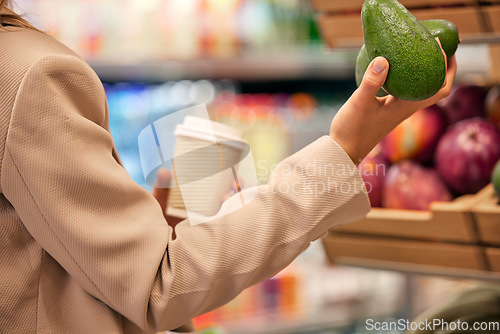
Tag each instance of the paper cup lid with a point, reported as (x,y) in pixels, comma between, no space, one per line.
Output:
(200,128)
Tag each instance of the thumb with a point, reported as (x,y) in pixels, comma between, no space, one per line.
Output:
(374,78)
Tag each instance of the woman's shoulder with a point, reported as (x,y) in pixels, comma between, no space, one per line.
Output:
(21,50)
(23,47)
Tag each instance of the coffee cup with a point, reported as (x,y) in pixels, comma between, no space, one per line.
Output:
(206,155)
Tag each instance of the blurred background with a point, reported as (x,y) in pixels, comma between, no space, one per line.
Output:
(261,66)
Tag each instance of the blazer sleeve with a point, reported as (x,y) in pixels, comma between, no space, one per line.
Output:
(109,233)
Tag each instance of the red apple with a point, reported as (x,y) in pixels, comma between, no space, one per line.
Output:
(465,102)
(467,153)
(416,138)
(410,186)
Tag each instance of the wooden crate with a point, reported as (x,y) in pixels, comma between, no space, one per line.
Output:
(450,235)
(446,221)
(343,246)
(487,217)
(351,5)
(345,30)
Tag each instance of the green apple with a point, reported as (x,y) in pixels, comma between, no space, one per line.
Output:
(496,179)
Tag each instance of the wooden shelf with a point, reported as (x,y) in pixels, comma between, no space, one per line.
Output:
(404,251)
(446,221)
(460,235)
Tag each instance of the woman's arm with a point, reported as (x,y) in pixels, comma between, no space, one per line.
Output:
(110,235)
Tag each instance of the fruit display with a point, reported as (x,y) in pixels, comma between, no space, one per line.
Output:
(417,63)
(417,137)
(413,187)
(465,101)
(442,151)
(429,153)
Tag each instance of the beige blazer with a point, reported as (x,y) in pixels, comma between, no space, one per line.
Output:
(84,249)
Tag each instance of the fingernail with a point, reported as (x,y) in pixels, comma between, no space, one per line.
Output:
(379,65)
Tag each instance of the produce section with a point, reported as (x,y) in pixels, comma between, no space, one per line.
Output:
(445,151)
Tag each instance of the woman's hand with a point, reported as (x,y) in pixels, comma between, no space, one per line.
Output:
(365,119)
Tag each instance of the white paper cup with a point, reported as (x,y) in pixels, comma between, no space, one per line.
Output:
(204,158)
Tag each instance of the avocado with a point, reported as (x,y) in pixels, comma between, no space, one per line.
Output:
(416,63)
(447,32)
(362,64)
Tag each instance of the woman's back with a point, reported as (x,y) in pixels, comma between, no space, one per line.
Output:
(38,295)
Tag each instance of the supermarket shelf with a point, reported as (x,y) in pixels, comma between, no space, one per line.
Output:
(493,38)
(248,67)
(419,269)
(472,56)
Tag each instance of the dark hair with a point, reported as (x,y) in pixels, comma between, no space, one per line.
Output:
(8,17)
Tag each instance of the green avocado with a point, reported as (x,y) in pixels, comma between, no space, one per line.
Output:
(416,63)
(447,32)
(361,65)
